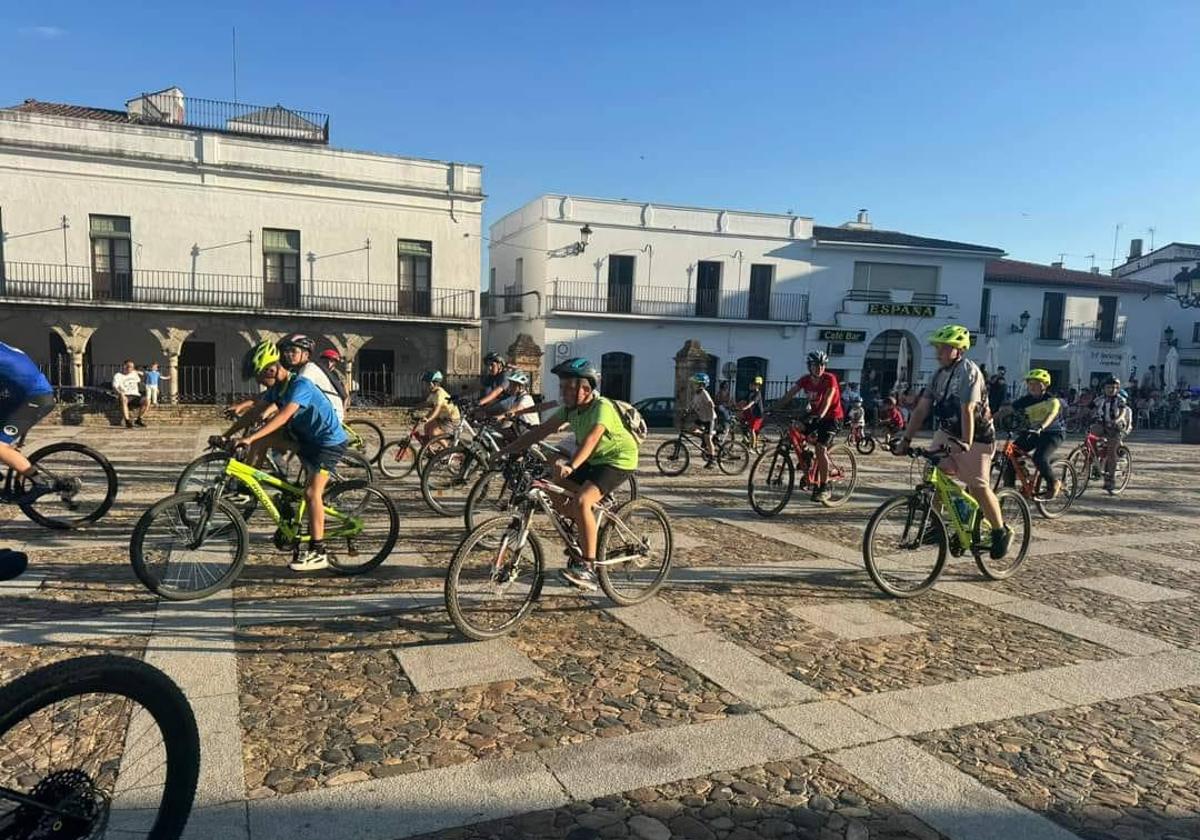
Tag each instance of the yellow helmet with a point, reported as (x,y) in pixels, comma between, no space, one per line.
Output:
(260,357)
(758,380)
(1039,374)
(952,335)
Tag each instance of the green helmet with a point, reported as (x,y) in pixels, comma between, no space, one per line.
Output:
(1039,375)
(260,357)
(952,335)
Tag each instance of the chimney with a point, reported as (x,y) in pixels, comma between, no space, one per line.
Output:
(861,222)
(1096,268)
(1135,248)
(1056,264)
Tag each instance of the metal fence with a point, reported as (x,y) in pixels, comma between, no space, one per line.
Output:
(676,302)
(390,387)
(265,121)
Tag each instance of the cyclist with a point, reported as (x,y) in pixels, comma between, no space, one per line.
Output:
(825,414)
(491,384)
(754,409)
(330,359)
(308,416)
(515,410)
(891,418)
(443,413)
(957,396)
(1042,414)
(296,352)
(857,417)
(606,455)
(1112,418)
(704,408)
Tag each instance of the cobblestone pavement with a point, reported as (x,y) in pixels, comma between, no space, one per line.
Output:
(769,691)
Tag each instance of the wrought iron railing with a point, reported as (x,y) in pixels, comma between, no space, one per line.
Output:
(1097,332)
(78,283)
(676,302)
(1047,329)
(268,121)
(383,387)
(987,326)
(512,298)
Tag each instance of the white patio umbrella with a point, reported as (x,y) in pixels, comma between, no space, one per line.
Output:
(993,349)
(1023,362)
(1171,369)
(902,362)
(1126,372)
(1075,374)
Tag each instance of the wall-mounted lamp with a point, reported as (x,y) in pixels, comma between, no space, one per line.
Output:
(1169,336)
(1187,287)
(585,236)
(1024,322)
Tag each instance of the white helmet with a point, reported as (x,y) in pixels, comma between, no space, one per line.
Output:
(520,377)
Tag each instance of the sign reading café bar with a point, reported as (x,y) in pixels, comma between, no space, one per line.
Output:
(846,336)
(911,310)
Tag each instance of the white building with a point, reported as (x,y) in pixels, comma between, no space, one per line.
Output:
(1160,267)
(180,230)
(758,290)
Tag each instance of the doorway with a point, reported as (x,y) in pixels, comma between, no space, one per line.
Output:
(197,372)
(708,289)
(891,358)
(374,368)
(616,375)
(620,283)
(748,367)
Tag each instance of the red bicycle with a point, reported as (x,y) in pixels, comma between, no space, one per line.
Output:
(398,457)
(1089,458)
(773,476)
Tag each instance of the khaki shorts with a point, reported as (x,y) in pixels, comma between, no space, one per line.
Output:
(973,467)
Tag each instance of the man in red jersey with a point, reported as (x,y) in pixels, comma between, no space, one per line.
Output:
(824,414)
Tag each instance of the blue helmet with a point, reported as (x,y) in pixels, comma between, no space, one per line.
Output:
(577,368)
(432,376)
(701,379)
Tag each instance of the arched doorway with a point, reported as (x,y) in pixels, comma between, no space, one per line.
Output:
(616,375)
(891,358)
(748,367)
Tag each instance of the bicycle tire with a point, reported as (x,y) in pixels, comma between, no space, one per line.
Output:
(371,435)
(1060,504)
(733,457)
(865,446)
(137,552)
(435,445)
(149,688)
(451,588)
(458,477)
(608,574)
(917,507)
(678,454)
(1010,501)
(72,523)
(338,560)
(838,455)
(787,479)
(398,458)
(485,501)
(197,466)
(1123,454)
(1082,463)
(352,465)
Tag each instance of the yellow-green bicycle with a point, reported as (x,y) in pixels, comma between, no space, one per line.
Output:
(908,537)
(192,544)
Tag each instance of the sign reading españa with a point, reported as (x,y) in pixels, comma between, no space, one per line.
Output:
(911,310)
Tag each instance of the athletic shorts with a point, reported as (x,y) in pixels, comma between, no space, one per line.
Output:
(17,417)
(824,429)
(133,400)
(605,477)
(322,457)
(705,427)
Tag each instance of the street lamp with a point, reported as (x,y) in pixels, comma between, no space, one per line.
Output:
(585,236)
(1187,287)
(1169,336)
(1024,319)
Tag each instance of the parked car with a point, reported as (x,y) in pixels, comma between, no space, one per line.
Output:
(657,411)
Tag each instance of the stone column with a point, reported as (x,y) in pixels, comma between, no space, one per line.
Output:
(691,359)
(76,338)
(463,355)
(525,354)
(171,340)
(348,344)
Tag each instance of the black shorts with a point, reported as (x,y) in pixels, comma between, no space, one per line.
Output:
(321,458)
(133,400)
(605,477)
(18,416)
(824,429)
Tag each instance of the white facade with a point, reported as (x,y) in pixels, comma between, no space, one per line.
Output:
(1160,267)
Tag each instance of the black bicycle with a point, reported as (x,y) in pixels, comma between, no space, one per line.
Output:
(97,746)
(672,457)
(75,487)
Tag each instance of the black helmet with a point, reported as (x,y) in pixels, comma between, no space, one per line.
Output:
(1111,380)
(816,357)
(493,357)
(577,368)
(298,340)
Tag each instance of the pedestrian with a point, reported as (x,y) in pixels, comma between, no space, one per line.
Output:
(152,377)
(127,382)
(997,388)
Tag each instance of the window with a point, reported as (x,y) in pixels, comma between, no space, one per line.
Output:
(281,268)
(620,282)
(414,266)
(519,272)
(492,280)
(873,279)
(1196,333)
(985,313)
(512,299)
(1106,325)
(1052,316)
(112,261)
(708,290)
(759,304)
(616,375)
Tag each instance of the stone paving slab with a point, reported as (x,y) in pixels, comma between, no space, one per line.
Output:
(604,766)
(280,610)
(1124,641)
(829,725)
(944,797)
(655,620)
(23,585)
(137,623)
(853,621)
(1130,589)
(1093,682)
(439,667)
(975,593)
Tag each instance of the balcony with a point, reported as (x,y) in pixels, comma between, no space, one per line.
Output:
(79,285)
(1097,332)
(676,302)
(274,122)
(987,326)
(1051,331)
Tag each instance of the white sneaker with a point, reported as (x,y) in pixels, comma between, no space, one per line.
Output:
(312,561)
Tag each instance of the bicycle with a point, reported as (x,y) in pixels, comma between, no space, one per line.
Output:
(460,432)
(773,476)
(672,457)
(1013,463)
(1089,458)
(447,479)
(366,438)
(631,566)
(193,544)
(77,755)
(82,486)
(904,525)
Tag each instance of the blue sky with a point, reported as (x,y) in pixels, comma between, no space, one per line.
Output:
(1032,126)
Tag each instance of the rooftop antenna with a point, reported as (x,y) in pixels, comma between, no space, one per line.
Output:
(1151,232)
(1116,233)
(1091,257)
(235,99)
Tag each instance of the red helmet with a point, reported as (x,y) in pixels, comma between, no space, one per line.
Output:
(331,354)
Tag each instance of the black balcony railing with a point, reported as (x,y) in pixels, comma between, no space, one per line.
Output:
(1048,329)
(885,296)
(512,298)
(676,302)
(273,122)
(987,326)
(76,283)
(1097,332)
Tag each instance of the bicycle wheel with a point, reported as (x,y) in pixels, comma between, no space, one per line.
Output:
(437,443)
(1056,507)
(733,458)
(491,584)
(352,466)
(919,470)
(672,457)
(361,544)
(905,546)
(633,552)
(490,496)
(180,550)
(204,473)
(448,478)
(1015,511)
(1084,468)
(843,475)
(397,458)
(865,446)
(370,438)
(772,479)
(90,486)
(1124,470)
(96,746)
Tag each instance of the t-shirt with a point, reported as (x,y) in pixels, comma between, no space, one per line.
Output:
(755,399)
(518,403)
(818,388)
(439,397)
(617,447)
(126,383)
(489,383)
(1041,409)
(857,417)
(336,381)
(152,378)
(702,406)
(19,376)
(953,387)
(1108,410)
(315,424)
(313,373)
(894,417)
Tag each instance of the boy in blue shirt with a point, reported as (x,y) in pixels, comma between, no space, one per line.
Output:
(152,378)
(320,439)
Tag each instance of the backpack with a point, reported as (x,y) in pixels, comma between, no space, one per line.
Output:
(632,419)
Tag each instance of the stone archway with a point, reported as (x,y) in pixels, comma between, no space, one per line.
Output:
(892,357)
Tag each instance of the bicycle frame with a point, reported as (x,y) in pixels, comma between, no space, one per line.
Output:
(1015,456)
(948,491)
(253,479)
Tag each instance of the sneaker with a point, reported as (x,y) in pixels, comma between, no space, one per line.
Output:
(128,424)
(710,464)
(578,574)
(140,422)
(67,486)
(821,494)
(1001,540)
(1109,484)
(312,561)
(34,490)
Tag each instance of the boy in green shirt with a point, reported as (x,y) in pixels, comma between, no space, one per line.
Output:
(607,453)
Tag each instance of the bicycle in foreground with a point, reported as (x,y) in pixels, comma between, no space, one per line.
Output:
(773,476)
(908,537)
(80,486)
(193,544)
(1013,462)
(1089,457)
(497,572)
(672,457)
(448,476)
(96,746)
